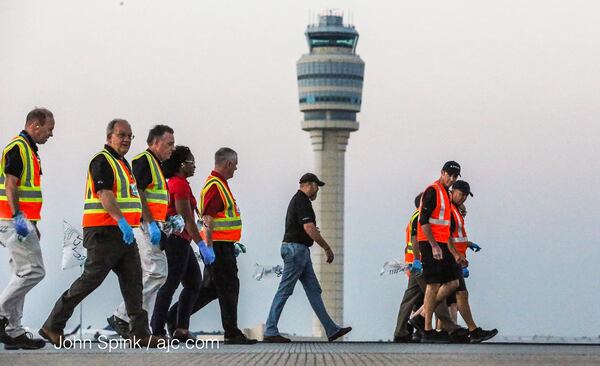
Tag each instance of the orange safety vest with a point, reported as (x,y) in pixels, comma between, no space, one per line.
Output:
(227,225)
(460,233)
(157,196)
(409,257)
(439,221)
(126,195)
(29,186)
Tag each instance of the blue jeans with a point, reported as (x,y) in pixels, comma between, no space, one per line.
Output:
(297,265)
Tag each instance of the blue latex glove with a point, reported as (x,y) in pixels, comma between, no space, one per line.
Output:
(126,230)
(465,272)
(208,254)
(416,267)
(154,232)
(474,247)
(239,248)
(20,222)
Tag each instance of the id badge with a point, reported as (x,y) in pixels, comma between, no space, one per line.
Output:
(134,190)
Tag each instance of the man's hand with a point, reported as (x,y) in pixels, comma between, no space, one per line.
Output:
(329,254)
(20,222)
(154,232)
(462,260)
(128,237)
(436,251)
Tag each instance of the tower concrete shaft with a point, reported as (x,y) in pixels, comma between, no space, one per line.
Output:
(329,148)
(330,81)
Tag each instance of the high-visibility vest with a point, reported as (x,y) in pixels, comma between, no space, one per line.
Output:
(29,186)
(157,196)
(227,224)
(409,257)
(439,221)
(460,233)
(126,195)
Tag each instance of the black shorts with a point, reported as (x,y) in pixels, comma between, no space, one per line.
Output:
(437,271)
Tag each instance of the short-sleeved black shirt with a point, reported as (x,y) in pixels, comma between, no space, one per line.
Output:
(14,163)
(300,212)
(142,172)
(102,174)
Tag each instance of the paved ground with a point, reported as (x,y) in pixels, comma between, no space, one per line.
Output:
(317,354)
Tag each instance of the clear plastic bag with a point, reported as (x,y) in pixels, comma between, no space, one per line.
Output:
(174,225)
(261,272)
(393,268)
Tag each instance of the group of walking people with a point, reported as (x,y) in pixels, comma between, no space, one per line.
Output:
(124,213)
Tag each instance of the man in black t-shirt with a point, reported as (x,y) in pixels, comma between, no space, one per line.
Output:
(300,233)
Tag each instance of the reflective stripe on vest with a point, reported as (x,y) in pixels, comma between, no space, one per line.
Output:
(127,200)
(227,225)
(29,186)
(157,196)
(409,256)
(460,233)
(439,221)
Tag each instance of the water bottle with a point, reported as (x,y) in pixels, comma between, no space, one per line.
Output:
(261,272)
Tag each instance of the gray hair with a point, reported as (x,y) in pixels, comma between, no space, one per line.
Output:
(223,155)
(111,125)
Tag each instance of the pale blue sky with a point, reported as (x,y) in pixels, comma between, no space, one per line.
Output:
(509,89)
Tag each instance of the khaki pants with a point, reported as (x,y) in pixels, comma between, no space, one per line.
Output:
(154,273)
(27,270)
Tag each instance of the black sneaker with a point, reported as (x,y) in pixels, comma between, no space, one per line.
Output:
(240,339)
(418,322)
(404,339)
(416,337)
(119,325)
(460,335)
(25,341)
(4,337)
(276,339)
(479,335)
(433,336)
(340,333)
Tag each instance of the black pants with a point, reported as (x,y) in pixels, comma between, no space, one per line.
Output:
(184,269)
(106,251)
(220,282)
(413,296)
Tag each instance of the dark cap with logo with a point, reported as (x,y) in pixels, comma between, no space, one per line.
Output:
(311,178)
(452,167)
(462,186)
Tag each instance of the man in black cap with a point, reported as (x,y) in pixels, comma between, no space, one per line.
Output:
(460,242)
(300,233)
(433,234)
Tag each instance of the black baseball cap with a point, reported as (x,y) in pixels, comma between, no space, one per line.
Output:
(452,167)
(462,186)
(311,178)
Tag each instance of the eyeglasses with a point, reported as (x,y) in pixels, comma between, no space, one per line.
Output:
(123,136)
(189,162)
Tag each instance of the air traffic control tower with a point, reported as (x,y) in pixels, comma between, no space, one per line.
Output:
(330,81)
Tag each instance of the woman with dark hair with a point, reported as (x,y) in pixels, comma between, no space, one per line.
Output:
(182,263)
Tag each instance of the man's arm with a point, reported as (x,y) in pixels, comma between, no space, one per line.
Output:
(315,235)
(109,202)
(459,258)
(146,214)
(208,229)
(415,247)
(435,248)
(12,193)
